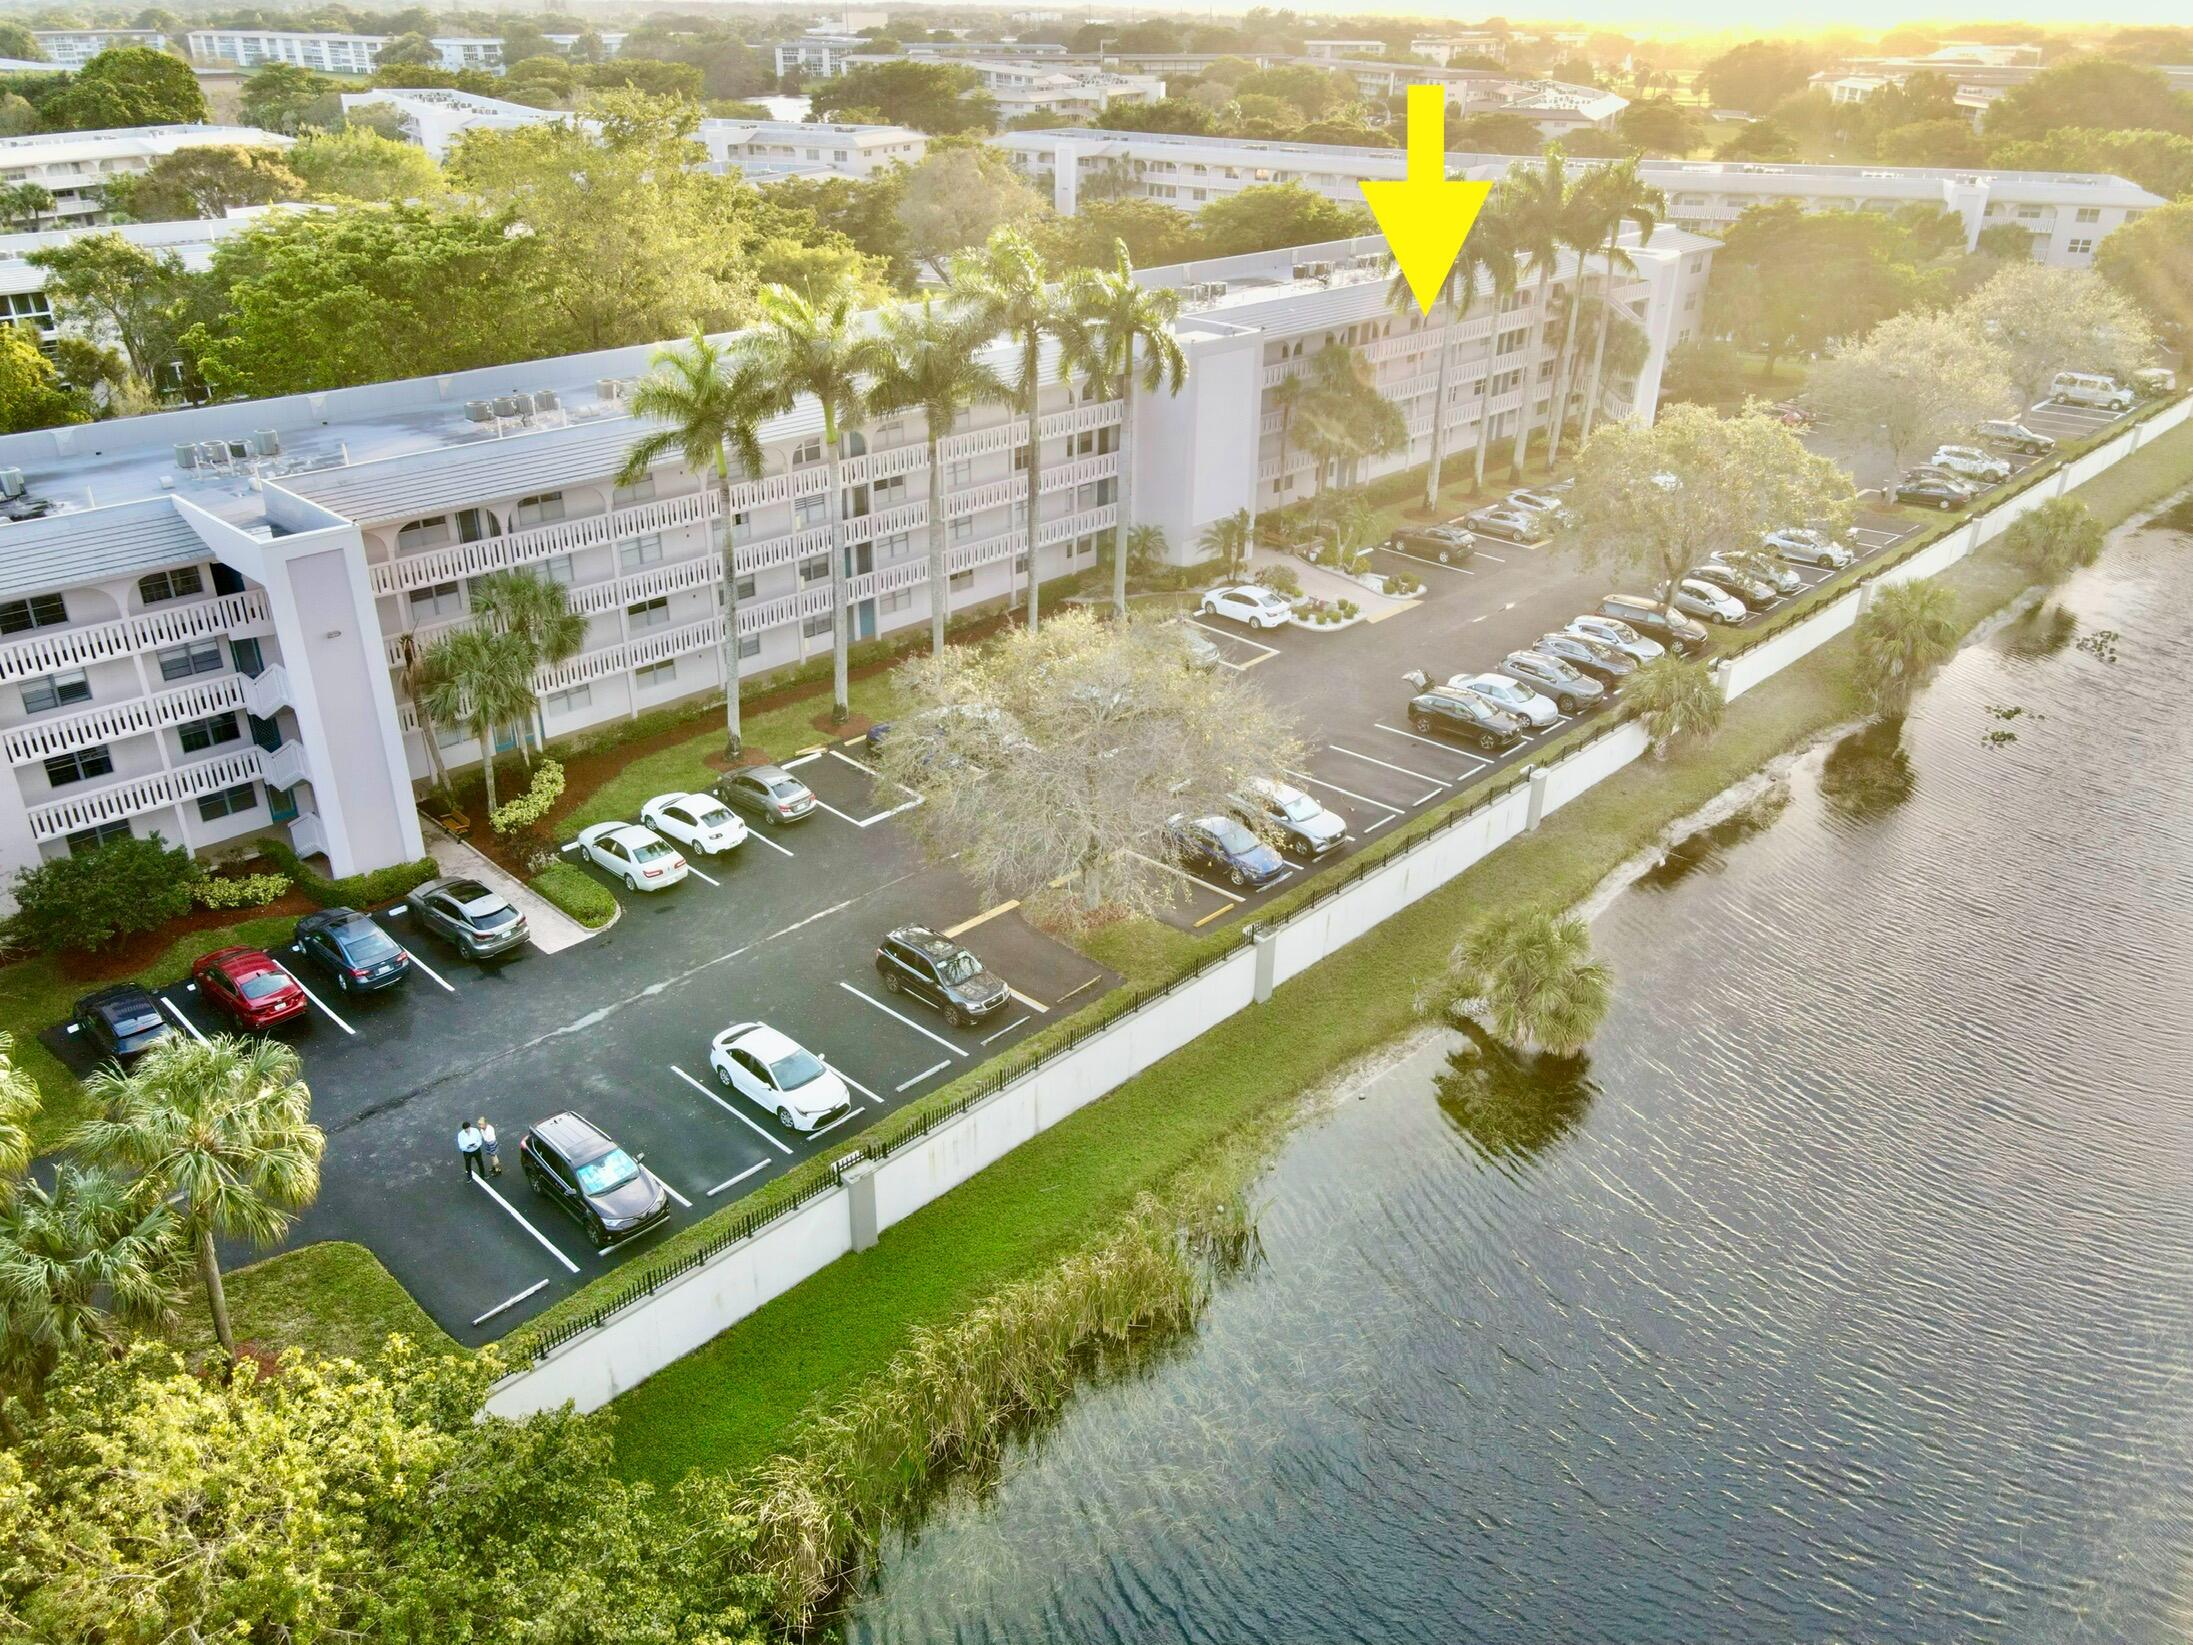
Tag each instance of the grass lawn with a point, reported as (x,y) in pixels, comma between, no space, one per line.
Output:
(334,1298)
(34,994)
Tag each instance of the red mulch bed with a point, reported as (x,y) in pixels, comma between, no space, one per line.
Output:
(128,954)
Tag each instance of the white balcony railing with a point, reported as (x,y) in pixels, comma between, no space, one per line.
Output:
(64,648)
(285,767)
(132,798)
(529,547)
(308,835)
(266,693)
(42,739)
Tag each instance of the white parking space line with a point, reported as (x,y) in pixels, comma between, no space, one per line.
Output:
(759,838)
(1182,873)
(518,1217)
(912,799)
(1392,811)
(1037,1006)
(924,1074)
(672,1192)
(854,1083)
(780,1147)
(802,759)
(1002,1032)
(1436,565)
(732,1182)
(1496,559)
(698,875)
(1229,634)
(1420,776)
(902,1017)
(508,1303)
(189,1027)
(316,1000)
(429,970)
(1431,742)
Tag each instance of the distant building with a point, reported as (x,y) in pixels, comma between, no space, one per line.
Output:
(321,53)
(1330,50)
(73,48)
(816,55)
(460,52)
(433,116)
(74,166)
(764,149)
(1065,92)
(1447,48)
(612,40)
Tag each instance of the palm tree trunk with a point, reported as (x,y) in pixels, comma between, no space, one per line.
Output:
(487,762)
(732,741)
(840,617)
(1562,368)
(1484,424)
(1530,374)
(940,577)
(1031,362)
(1120,491)
(209,1270)
(419,713)
(1599,349)
(1439,402)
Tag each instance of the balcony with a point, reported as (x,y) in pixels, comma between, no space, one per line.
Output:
(43,739)
(119,801)
(64,648)
(516,548)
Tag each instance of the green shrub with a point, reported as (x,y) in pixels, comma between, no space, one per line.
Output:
(240,891)
(356,890)
(577,893)
(1281,580)
(531,806)
(87,900)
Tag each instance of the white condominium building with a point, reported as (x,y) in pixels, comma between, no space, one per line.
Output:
(321,53)
(205,615)
(1068,93)
(766,149)
(73,48)
(2067,213)
(481,52)
(433,116)
(74,166)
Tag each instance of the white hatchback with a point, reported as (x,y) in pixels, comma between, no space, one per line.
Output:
(778,1075)
(699,822)
(1511,694)
(640,857)
(1249,603)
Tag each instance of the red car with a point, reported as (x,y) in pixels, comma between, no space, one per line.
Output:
(247,987)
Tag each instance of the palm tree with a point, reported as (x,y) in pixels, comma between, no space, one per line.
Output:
(711,399)
(222,1129)
(1580,233)
(81,1262)
(1145,545)
(1227,539)
(479,678)
(1619,195)
(2055,539)
(933,364)
(1532,974)
(414,682)
(1127,333)
(1490,253)
(1541,216)
(1905,630)
(18,1107)
(538,613)
(1005,291)
(1675,698)
(1487,239)
(1286,399)
(819,349)
(1343,414)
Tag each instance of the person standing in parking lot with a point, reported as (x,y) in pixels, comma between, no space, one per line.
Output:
(469,1144)
(487,1145)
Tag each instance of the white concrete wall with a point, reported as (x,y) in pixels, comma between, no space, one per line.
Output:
(592,1369)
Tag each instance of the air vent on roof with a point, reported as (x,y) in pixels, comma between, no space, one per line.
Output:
(186,455)
(544,399)
(479,411)
(266,443)
(610,388)
(513,405)
(11,483)
(1313,271)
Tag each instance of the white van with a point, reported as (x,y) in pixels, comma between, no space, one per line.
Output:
(2085,388)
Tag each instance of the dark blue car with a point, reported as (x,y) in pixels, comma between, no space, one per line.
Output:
(1224,847)
(349,947)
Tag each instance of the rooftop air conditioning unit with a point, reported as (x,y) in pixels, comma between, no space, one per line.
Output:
(544,399)
(609,388)
(11,482)
(506,405)
(266,443)
(479,411)
(186,456)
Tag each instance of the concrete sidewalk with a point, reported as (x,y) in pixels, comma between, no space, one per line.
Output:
(551,928)
(1324,583)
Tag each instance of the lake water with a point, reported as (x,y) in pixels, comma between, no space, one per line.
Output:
(1845,1293)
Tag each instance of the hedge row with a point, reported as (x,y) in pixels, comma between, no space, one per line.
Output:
(577,893)
(356,890)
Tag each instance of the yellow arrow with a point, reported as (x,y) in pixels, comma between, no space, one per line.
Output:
(1426,218)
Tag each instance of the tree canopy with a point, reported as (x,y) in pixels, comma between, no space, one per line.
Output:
(1275,214)
(358,163)
(205,182)
(938,98)
(2091,92)
(123,86)
(2151,261)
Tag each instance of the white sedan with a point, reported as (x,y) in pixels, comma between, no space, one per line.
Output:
(1512,695)
(1249,603)
(1801,545)
(640,857)
(699,822)
(1971,463)
(778,1075)
(1703,599)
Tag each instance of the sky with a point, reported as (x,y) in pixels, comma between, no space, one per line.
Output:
(1750,18)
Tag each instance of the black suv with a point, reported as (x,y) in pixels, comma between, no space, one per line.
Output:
(1448,544)
(121,1022)
(1604,663)
(1656,622)
(358,954)
(938,971)
(608,1193)
(1466,715)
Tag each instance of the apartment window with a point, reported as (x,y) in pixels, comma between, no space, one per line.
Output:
(197,736)
(2079,248)
(453,737)
(962,472)
(229,802)
(895,546)
(561,571)
(817,626)
(40,611)
(807,452)
(80,765)
(2090,214)
(814,569)
(91,839)
(746,588)
(649,613)
(170,585)
(897,600)
(432,532)
(889,493)
(810,512)
(42,696)
(640,551)
(540,509)
(749,645)
(1020,460)
(961,581)
(1511,342)
(655,674)
(641,490)
(436,603)
(182,661)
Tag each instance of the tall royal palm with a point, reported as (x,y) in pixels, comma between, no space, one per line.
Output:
(1490,251)
(481,678)
(1006,291)
(1486,253)
(933,364)
(537,611)
(1127,337)
(821,349)
(710,400)
(1620,195)
(1541,217)
(222,1130)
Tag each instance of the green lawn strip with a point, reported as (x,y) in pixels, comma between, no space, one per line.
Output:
(577,893)
(334,1298)
(34,995)
(2147,476)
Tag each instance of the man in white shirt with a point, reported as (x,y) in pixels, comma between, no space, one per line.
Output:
(469,1143)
